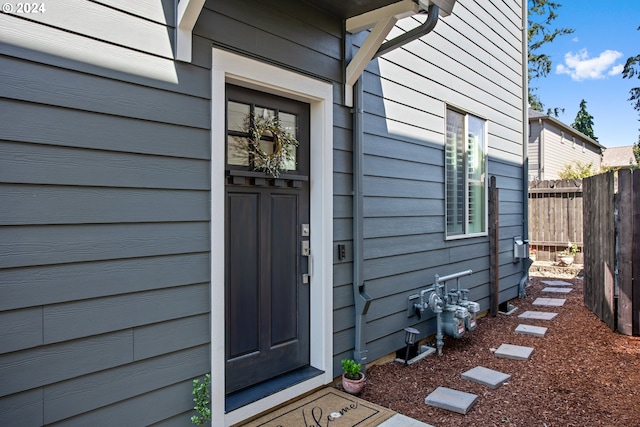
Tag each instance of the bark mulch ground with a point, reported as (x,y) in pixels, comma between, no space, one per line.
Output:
(581,373)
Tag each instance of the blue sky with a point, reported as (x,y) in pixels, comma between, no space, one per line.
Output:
(588,64)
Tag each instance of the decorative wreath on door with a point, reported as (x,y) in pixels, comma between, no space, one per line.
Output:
(284,144)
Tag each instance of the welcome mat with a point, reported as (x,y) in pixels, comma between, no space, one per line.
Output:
(327,407)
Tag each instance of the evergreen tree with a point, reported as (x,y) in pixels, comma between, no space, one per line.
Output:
(584,121)
(541,14)
(631,69)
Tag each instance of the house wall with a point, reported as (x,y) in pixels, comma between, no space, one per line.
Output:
(471,60)
(104,253)
(559,152)
(534,150)
(104,293)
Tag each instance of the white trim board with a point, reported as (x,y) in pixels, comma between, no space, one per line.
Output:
(229,67)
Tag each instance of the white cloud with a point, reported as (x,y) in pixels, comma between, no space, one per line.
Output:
(615,70)
(580,67)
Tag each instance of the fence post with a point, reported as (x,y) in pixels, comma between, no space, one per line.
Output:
(494,248)
(635,258)
(624,251)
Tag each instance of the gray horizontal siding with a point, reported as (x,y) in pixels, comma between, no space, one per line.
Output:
(40,204)
(32,368)
(271,43)
(49,125)
(109,25)
(21,329)
(36,164)
(105,250)
(27,81)
(90,392)
(22,246)
(34,286)
(471,60)
(85,318)
(26,407)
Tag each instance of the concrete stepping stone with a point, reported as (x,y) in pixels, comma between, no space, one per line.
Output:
(556,283)
(486,376)
(451,400)
(515,352)
(557,290)
(537,331)
(538,315)
(550,302)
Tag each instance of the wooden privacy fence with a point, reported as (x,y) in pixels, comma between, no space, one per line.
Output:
(612,249)
(555,217)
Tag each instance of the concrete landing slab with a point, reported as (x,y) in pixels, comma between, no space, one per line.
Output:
(399,420)
(451,400)
(538,315)
(537,331)
(550,302)
(515,352)
(486,376)
(557,290)
(556,283)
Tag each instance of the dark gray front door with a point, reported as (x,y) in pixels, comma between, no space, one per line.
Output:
(267,303)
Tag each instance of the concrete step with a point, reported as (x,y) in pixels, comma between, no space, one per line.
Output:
(451,400)
(557,283)
(537,331)
(557,290)
(514,352)
(538,315)
(486,376)
(550,302)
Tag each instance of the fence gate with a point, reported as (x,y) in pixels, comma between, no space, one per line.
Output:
(612,249)
(555,217)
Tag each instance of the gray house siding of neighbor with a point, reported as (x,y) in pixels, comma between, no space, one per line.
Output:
(131,233)
(553,145)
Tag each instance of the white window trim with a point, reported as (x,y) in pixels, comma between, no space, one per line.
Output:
(228,67)
(486,180)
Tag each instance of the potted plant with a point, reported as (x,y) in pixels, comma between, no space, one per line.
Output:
(567,256)
(352,377)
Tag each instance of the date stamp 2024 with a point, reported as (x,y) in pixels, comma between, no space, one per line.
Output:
(23,8)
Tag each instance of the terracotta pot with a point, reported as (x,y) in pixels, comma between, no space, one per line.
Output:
(565,260)
(353,386)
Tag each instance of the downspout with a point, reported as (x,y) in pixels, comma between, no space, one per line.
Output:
(526,261)
(361,299)
(360,296)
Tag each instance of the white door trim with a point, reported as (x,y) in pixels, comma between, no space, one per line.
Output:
(229,67)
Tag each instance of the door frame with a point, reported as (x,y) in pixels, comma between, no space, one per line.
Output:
(229,67)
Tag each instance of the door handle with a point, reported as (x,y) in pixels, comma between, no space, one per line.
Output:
(307,276)
(306,251)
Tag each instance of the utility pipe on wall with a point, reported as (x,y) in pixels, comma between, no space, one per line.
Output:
(526,261)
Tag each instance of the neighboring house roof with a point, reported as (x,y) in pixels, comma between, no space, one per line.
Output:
(619,157)
(536,115)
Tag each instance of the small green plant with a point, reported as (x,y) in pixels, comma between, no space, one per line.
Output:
(572,249)
(351,369)
(576,170)
(202,397)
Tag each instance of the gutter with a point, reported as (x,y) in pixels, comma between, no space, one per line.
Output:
(362,300)
(409,36)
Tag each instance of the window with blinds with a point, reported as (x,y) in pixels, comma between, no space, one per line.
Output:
(465,174)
